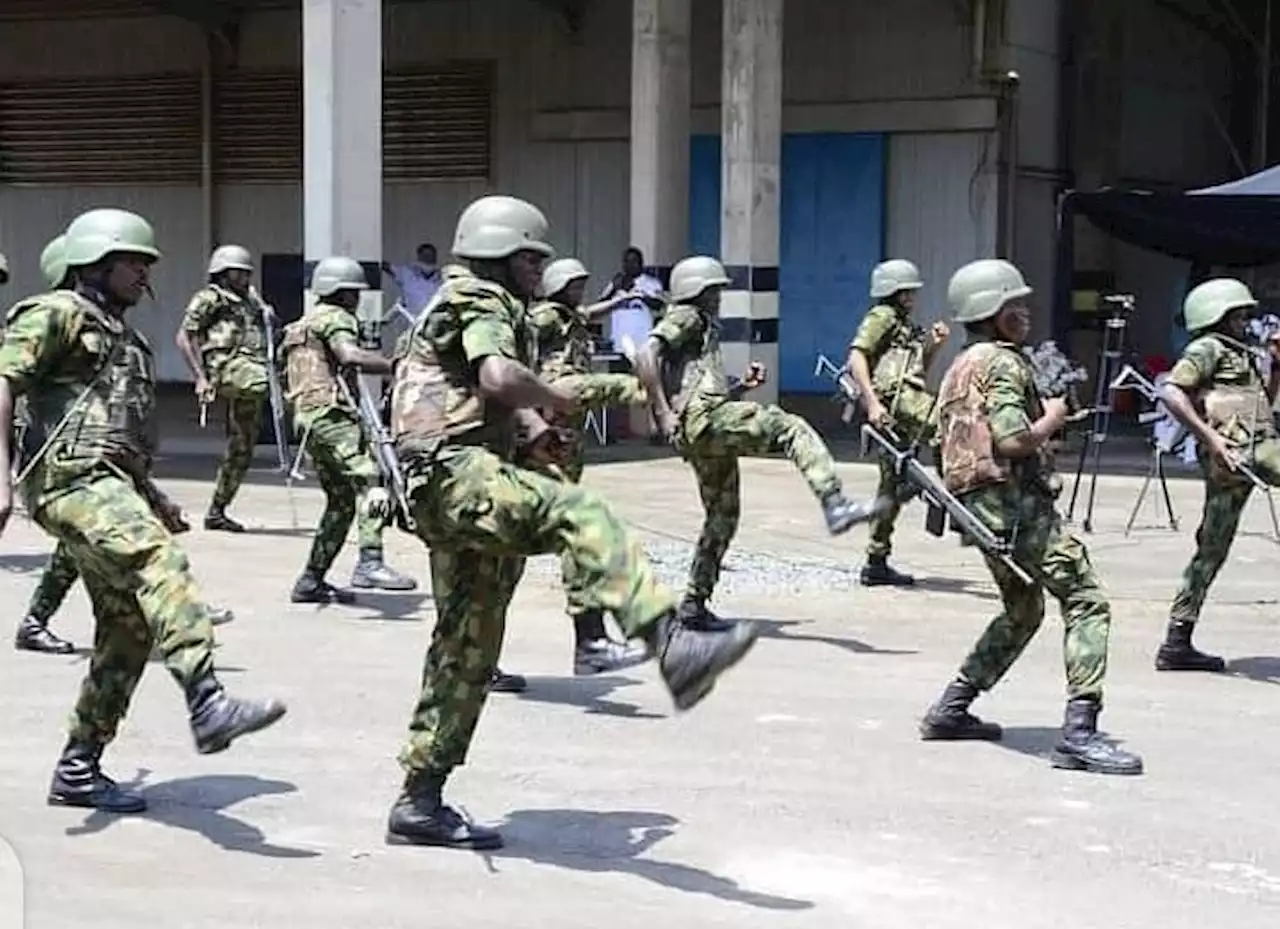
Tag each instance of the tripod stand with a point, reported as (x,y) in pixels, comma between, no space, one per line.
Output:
(1130,379)
(1111,354)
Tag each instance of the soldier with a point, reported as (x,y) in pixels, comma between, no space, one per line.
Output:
(564,357)
(61,573)
(316,348)
(994,432)
(889,358)
(224,343)
(698,411)
(89,380)
(1217,390)
(463,405)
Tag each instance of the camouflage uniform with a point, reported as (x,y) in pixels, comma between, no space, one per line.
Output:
(987,397)
(332,433)
(1223,378)
(481,516)
(564,358)
(89,381)
(229,332)
(714,430)
(897,354)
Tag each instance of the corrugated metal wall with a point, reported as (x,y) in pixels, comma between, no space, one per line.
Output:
(942,209)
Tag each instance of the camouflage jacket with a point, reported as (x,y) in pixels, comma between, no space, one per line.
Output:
(1225,381)
(224,325)
(310,361)
(563,340)
(896,349)
(693,373)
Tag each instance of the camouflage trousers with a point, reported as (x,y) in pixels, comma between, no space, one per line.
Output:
(912,423)
(712,448)
(347,473)
(593,390)
(481,517)
(142,591)
(60,575)
(1060,564)
(1225,496)
(242,382)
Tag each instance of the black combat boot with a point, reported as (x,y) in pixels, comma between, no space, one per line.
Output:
(877,573)
(373,573)
(311,588)
(694,615)
(949,720)
(1178,654)
(595,653)
(1082,749)
(217,720)
(78,781)
(691,661)
(842,515)
(420,817)
(34,636)
(500,682)
(217,520)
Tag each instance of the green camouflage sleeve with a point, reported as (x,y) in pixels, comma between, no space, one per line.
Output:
(543,319)
(486,325)
(679,325)
(336,327)
(873,331)
(1196,366)
(199,312)
(1006,393)
(34,332)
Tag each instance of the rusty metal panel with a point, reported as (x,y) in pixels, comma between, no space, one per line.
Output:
(437,123)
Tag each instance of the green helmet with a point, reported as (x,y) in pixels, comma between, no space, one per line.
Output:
(229,258)
(98,233)
(498,227)
(691,276)
(1212,300)
(337,273)
(889,277)
(561,273)
(980,289)
(53,262)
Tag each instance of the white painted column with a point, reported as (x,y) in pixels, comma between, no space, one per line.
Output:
(342,139)
(660,114)
(751,150)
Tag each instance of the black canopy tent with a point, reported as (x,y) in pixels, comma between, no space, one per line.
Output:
(1234,225)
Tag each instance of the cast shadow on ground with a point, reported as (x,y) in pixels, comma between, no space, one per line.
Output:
(24,563)
(954,585)
(199,804)
(1038,741)
(391,606)
(776,629)
(1264,669)
(588,693)
(613,843)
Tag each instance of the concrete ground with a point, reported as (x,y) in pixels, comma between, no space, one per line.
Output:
(797,795)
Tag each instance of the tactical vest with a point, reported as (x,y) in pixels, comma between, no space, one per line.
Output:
(311,373)
(696,368)
(435,397)
(568,351)
(901,364)
(1236,402)
(969,459)
(100,401)
(237,324)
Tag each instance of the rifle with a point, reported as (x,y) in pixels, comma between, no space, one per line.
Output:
(276,395)
(847,392)
(383,446)
(941,501)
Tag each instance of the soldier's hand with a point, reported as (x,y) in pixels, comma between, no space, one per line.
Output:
(205,392)
(6,501)
(877,415)
(667,424)
(940,332)
(1056,410)
(563,400)
(756,375)
(377,503)
(1223,454)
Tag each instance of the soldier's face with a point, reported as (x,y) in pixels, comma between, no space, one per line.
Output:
(238,278)
(1014,322)
(710,299)
(574,293)
(1235,322)
(128,278)
(526,272)
(907,300)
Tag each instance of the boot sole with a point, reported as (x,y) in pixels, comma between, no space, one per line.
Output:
(223,742)
(690,697)
(78,803)
(398,588)
(1214,669)
(931,735)
(470,845)
(589,670)
(1072,763)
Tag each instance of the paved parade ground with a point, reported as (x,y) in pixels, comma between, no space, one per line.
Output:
(797,795)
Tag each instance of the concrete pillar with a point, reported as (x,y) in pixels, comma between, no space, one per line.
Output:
(342,140)
(751,150)
(660,89)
